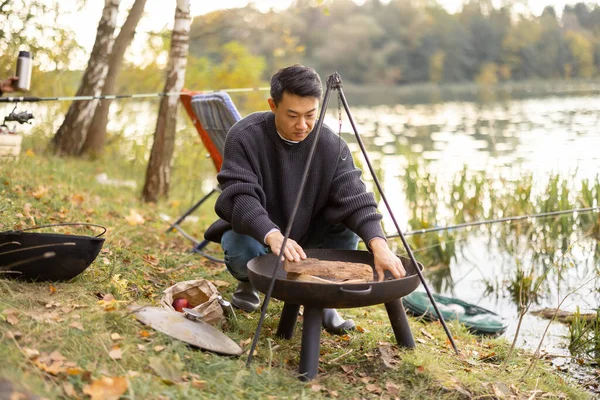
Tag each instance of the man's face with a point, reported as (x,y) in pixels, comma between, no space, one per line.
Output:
(295,116)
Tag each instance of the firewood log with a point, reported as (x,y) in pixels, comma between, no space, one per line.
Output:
(339,271)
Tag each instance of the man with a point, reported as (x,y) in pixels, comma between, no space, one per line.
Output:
(264,159)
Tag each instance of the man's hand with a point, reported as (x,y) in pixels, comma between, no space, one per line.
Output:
(292,251)
(385,259)
(7,85)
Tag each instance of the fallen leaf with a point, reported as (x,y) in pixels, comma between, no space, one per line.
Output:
(31,353)
(75,371)
(347,368)
(77,199)
(392,388)
(52,289)
(39,192)
(134,218)
(501,390)
(13,334)
(426,334)
(76,325)
(115,336)
(27,208)
(150,259)
(12,319)
(116,353)
(106,388)
(387,356)
(141,347)
(158,349)
(419,369)
(316,388)
(53,368)
(56,356)
(219,283)
(168,371)
(69,390)
(198,384)
(373,388)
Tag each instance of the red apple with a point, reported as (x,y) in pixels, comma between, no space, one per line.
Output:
(180,304)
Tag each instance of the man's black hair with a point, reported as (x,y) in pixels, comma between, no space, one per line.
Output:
(297,79)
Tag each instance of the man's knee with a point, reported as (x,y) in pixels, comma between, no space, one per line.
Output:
(238,250)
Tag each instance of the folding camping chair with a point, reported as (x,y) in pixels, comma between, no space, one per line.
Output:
(212,114)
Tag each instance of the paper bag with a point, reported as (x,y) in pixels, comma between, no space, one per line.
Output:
(202,296)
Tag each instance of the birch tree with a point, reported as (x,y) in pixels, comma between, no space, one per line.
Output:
(71,135)
(96,137)
(158,172)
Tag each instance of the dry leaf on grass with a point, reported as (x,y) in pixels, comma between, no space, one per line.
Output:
(77,199)
(40,192)
(168,371)
(69,390)
(77,325)
(392,388)
(116,353)
(12,319)
(106,388)
(31,353)
(134,218)
(198,384)
(373,388)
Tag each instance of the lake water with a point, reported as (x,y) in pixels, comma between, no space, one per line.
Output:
(503,141)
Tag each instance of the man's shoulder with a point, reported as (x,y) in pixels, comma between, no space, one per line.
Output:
(256,120)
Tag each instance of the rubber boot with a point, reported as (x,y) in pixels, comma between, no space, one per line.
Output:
(334,323)
(245,297)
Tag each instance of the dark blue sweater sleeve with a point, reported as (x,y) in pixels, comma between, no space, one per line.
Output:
(242,201)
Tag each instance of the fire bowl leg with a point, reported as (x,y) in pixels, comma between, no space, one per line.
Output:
(311,343)
(287,321)
(399,322)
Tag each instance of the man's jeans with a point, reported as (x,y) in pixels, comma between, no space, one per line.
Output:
(239,249)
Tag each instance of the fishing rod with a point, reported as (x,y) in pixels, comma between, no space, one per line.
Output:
(494,221)
(30,99)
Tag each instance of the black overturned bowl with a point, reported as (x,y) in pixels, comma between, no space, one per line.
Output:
(35,256)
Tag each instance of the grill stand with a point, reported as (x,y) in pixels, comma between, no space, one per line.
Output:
(311,332)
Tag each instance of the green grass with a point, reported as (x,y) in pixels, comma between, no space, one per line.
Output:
(139,261)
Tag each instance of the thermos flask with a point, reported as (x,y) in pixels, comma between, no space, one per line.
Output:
(23,71)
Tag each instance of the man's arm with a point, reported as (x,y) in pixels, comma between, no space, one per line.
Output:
(242,201)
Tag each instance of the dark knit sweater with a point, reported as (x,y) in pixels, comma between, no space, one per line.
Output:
(260,180)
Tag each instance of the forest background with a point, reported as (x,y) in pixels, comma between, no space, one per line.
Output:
(380,44)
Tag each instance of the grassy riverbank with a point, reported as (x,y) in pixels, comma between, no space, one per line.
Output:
(63,339)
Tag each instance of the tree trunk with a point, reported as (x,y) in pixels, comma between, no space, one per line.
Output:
(96,137)
(71,135)
(158,173)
